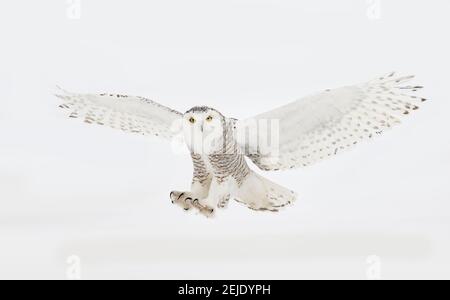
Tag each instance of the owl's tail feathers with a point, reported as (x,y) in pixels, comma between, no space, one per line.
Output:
(261,194)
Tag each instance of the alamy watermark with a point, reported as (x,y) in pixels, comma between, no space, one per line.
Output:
(373,271)
(73,9)
(253,137)
(373,9)
(73,271)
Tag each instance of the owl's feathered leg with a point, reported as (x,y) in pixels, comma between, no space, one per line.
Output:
(218,197)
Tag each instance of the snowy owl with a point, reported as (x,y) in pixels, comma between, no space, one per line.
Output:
(292,136)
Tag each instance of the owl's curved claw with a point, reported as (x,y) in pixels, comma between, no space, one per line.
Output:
(203,209)
(187,201)
(208,212)
(181,199)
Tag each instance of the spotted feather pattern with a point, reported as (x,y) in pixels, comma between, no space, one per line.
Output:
(201,173)
(321,126)
(229,161)
(128,113)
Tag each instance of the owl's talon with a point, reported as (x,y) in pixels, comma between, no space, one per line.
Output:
(207,212)
(187,201)
(180,199)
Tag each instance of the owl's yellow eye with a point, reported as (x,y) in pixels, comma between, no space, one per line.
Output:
(192,120)
(209,118)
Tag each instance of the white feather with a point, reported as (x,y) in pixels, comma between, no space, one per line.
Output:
(128,113)
(323,125)
(261,194)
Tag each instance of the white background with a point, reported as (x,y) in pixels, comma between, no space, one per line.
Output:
(67,188)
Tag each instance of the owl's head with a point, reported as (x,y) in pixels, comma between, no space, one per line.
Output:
(203,129)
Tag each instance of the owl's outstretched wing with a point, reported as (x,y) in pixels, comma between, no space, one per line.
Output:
(323,125)
(127,113)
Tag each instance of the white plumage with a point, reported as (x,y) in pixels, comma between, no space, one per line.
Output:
(128,113)
(309,130)
(323,125)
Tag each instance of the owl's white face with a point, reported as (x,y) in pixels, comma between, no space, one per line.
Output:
(203,130)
